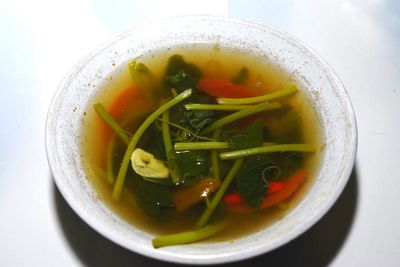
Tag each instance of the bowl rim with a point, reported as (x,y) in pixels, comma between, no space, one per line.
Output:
(223,258)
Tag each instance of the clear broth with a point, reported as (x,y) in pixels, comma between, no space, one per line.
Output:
(213,61)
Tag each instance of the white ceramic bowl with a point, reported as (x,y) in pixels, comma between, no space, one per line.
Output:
(321,84)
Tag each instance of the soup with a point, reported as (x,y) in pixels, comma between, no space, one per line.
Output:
(200,142)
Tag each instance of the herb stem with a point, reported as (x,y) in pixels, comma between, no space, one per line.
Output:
(119,184)
(214,156)
(266,149)
(218,196)
(240,114)
(214,107)
(188,237)
(167,141)
(103,113)
(187,130)
(110,169)
(214,145)
(252,100)
(200,145)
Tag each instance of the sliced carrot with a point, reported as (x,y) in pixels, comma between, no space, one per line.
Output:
(184,198)
(124,104)
(233,198)
(275,187)
(292,184)
(217,87)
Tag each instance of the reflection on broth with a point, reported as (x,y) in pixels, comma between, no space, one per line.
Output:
(205,160)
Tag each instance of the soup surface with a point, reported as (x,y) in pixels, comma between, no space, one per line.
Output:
(206,149)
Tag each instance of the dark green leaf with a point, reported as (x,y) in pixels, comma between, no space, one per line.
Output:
(251,136)
(242,76)
(188,166)
(155,199)
(181,75)
(293,162)
(250,182)
(193,120)
(285,128)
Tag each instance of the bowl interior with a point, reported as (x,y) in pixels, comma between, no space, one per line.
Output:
(321,85)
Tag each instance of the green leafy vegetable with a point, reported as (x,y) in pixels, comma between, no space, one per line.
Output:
(285,128)
(193,120)
(119,184)
(181,75)
(293,162)
(188,166)
(251,184)
(154,198)
(242,76)
(250,136)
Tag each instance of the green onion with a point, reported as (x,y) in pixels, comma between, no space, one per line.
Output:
(252,100)
(218,196)
(167,141)
(266,149)
(188,237)
(135,139)
(240,114)
(102,112)
(213,107)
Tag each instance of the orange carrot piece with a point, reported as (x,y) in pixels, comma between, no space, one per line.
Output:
(291,185)
(275,187)
(233,198)
(217,87)
(186,197)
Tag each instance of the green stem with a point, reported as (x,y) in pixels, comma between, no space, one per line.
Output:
(200,145)
(167,141)
(102,112)
(187,130)
(119,184)
(266,149)
(138,72)
(240,114)
(214,156)
(218,196)
(206,145)
(213,107)
(110,169)
(252,100)
(188,237)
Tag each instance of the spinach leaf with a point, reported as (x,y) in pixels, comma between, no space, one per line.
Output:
(242,76)
(193,120)
(155,199)
(293,162)
(251,136)
(285,128)
(189,166)
(250,182)
(181,75)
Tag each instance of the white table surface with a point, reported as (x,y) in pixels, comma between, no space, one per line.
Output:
(40,40)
